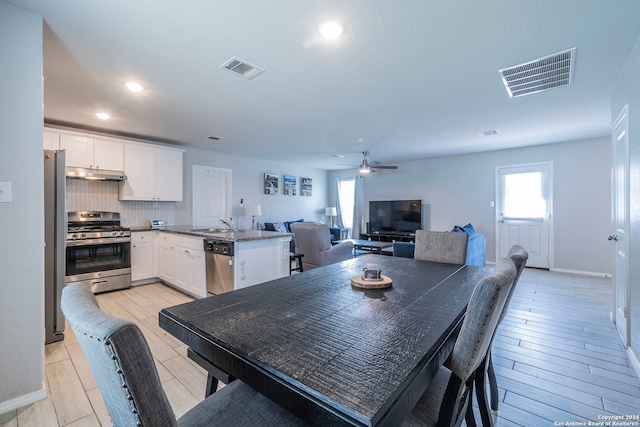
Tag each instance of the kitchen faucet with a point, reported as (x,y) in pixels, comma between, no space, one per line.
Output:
(226,223)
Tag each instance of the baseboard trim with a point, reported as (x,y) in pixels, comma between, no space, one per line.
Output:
(580,272)
(23,400)
(635,363)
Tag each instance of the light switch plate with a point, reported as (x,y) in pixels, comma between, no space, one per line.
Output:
(5,192)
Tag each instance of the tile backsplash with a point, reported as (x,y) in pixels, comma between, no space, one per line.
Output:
(85,195)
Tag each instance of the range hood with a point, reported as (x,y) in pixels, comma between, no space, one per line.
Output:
(95,174)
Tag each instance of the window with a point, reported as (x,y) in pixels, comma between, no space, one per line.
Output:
(346,197)
(523,196)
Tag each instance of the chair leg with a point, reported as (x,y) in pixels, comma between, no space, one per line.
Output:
(493,385)
(481,393)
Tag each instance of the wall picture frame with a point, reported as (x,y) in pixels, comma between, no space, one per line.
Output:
(271,183)
(306,187)
(289,185)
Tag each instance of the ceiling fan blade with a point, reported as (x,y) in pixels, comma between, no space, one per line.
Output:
(386,167)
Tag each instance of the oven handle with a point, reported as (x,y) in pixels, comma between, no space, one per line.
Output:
(107,241)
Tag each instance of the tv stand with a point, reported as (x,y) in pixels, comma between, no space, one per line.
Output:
(389,237)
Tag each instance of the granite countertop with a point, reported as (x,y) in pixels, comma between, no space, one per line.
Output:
(228,236)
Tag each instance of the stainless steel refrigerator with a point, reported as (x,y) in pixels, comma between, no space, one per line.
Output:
(55,238)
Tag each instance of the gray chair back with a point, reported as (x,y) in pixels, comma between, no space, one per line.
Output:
(120,359)
(519,256)
(441,246)
(481,319)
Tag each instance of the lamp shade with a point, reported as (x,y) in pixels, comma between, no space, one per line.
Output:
(253,210)
(330,211)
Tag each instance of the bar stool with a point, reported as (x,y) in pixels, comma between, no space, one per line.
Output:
(298,260)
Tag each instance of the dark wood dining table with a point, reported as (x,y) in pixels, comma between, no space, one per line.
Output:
(329,352)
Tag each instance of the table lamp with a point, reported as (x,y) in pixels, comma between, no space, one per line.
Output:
(331,212)
(254,211)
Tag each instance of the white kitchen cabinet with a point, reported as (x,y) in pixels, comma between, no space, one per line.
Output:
(153,173)
(142,255)
(181,263)
(86,152)
(51,140)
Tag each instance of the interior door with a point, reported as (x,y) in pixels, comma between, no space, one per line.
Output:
(211,196)
(620,222)
(524,211)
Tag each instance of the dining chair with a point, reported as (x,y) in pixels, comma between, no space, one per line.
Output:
(124,369)
(448,399)
(519,255)
(441,246)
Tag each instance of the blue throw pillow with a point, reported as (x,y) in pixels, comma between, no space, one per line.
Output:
(467,229)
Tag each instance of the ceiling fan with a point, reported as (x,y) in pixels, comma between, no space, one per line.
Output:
(368,167)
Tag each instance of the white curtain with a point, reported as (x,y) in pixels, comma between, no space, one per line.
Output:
(339,221)
(358,209)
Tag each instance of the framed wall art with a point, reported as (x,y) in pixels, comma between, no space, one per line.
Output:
(271,183)
(289,185)
(306,187)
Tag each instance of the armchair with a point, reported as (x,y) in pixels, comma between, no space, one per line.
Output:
(314,241)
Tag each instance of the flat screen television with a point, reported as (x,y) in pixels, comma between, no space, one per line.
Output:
(395,216)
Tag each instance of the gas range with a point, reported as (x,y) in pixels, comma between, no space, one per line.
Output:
(98,251)
(89,225)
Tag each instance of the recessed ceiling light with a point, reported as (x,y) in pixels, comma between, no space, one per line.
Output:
(134,86)
(331,29)
(103,116)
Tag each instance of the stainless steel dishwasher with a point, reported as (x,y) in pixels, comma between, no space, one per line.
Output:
(219,266)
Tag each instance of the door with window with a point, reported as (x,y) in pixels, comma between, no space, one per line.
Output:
(524,211)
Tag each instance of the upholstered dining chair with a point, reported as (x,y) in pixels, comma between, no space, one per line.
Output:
(441,246)
(123,366)
(519,255)
(314,241)
(448,399)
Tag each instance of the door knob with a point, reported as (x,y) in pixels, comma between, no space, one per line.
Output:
(614,237)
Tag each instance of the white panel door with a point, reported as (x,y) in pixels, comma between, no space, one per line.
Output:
(524,211)
(620,222)
(211,196)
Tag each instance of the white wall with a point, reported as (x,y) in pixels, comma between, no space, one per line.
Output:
(247,182)
(22,220)
(459,189)
(628,92)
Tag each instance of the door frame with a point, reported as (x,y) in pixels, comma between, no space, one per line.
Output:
(549,165)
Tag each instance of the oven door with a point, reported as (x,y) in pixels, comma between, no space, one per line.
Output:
(97,258)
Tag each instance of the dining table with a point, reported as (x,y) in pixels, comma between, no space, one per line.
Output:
(327,349)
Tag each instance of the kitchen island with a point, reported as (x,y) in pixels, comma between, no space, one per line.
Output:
(175,255)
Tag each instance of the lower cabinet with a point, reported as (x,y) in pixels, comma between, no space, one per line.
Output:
(142,256)
(181,263)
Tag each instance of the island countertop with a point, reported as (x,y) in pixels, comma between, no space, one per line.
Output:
(224,235)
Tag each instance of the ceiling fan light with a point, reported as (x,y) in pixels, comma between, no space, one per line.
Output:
(134,86)
(103,116)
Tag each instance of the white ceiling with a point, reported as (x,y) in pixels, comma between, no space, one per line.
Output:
(409,79)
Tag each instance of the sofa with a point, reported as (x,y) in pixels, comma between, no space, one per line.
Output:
(476,246)
(313,240)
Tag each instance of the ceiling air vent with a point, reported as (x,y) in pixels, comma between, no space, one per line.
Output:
(242,68)
(539,75)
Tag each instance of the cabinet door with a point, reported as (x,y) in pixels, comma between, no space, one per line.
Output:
(51,141)
(166,263)
(198,284)
(183,268)
(139,166)
(168,175)
(142,256)
(108,155)
(79,150)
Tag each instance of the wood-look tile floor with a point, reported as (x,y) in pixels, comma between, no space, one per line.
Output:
(557,356)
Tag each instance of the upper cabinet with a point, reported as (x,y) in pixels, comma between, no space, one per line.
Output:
(82,151)
(51,140)
(153,173)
